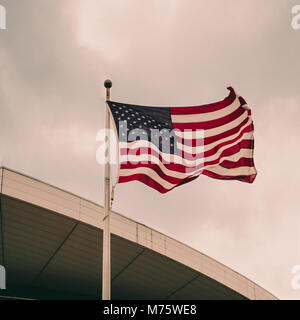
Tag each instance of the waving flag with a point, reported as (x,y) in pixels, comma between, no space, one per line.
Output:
(165,147)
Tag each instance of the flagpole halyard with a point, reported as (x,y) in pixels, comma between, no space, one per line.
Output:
(106,268)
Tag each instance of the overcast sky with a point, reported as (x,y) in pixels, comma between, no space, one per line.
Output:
(54,57)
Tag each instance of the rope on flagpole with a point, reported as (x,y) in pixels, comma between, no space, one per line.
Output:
(112,194)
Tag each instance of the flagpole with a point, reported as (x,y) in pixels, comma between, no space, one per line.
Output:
(106,280)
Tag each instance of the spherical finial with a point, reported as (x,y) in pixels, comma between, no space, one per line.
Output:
(107,84)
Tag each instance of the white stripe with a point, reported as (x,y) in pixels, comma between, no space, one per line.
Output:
(188,149)
(207,116)
(245,171)
(188,134)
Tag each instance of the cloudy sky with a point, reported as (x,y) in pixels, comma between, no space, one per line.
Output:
(54,57)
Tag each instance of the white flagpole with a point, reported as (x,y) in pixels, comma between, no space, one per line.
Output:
(106,281)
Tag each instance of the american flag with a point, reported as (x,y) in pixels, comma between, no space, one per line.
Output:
(165,147)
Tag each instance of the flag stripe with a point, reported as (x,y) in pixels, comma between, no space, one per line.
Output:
(246,177)
(146,180)
(242,162)
(206,108)
(203,117)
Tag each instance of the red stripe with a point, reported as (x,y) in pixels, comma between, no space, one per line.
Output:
(242,100)
(154,167)
(146,180)
(207,107)
(147,150)
(242,178)
(187,180)
(212,123)
(190,142)
(242,162)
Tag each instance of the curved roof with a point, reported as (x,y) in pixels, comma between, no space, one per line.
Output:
(51,246)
